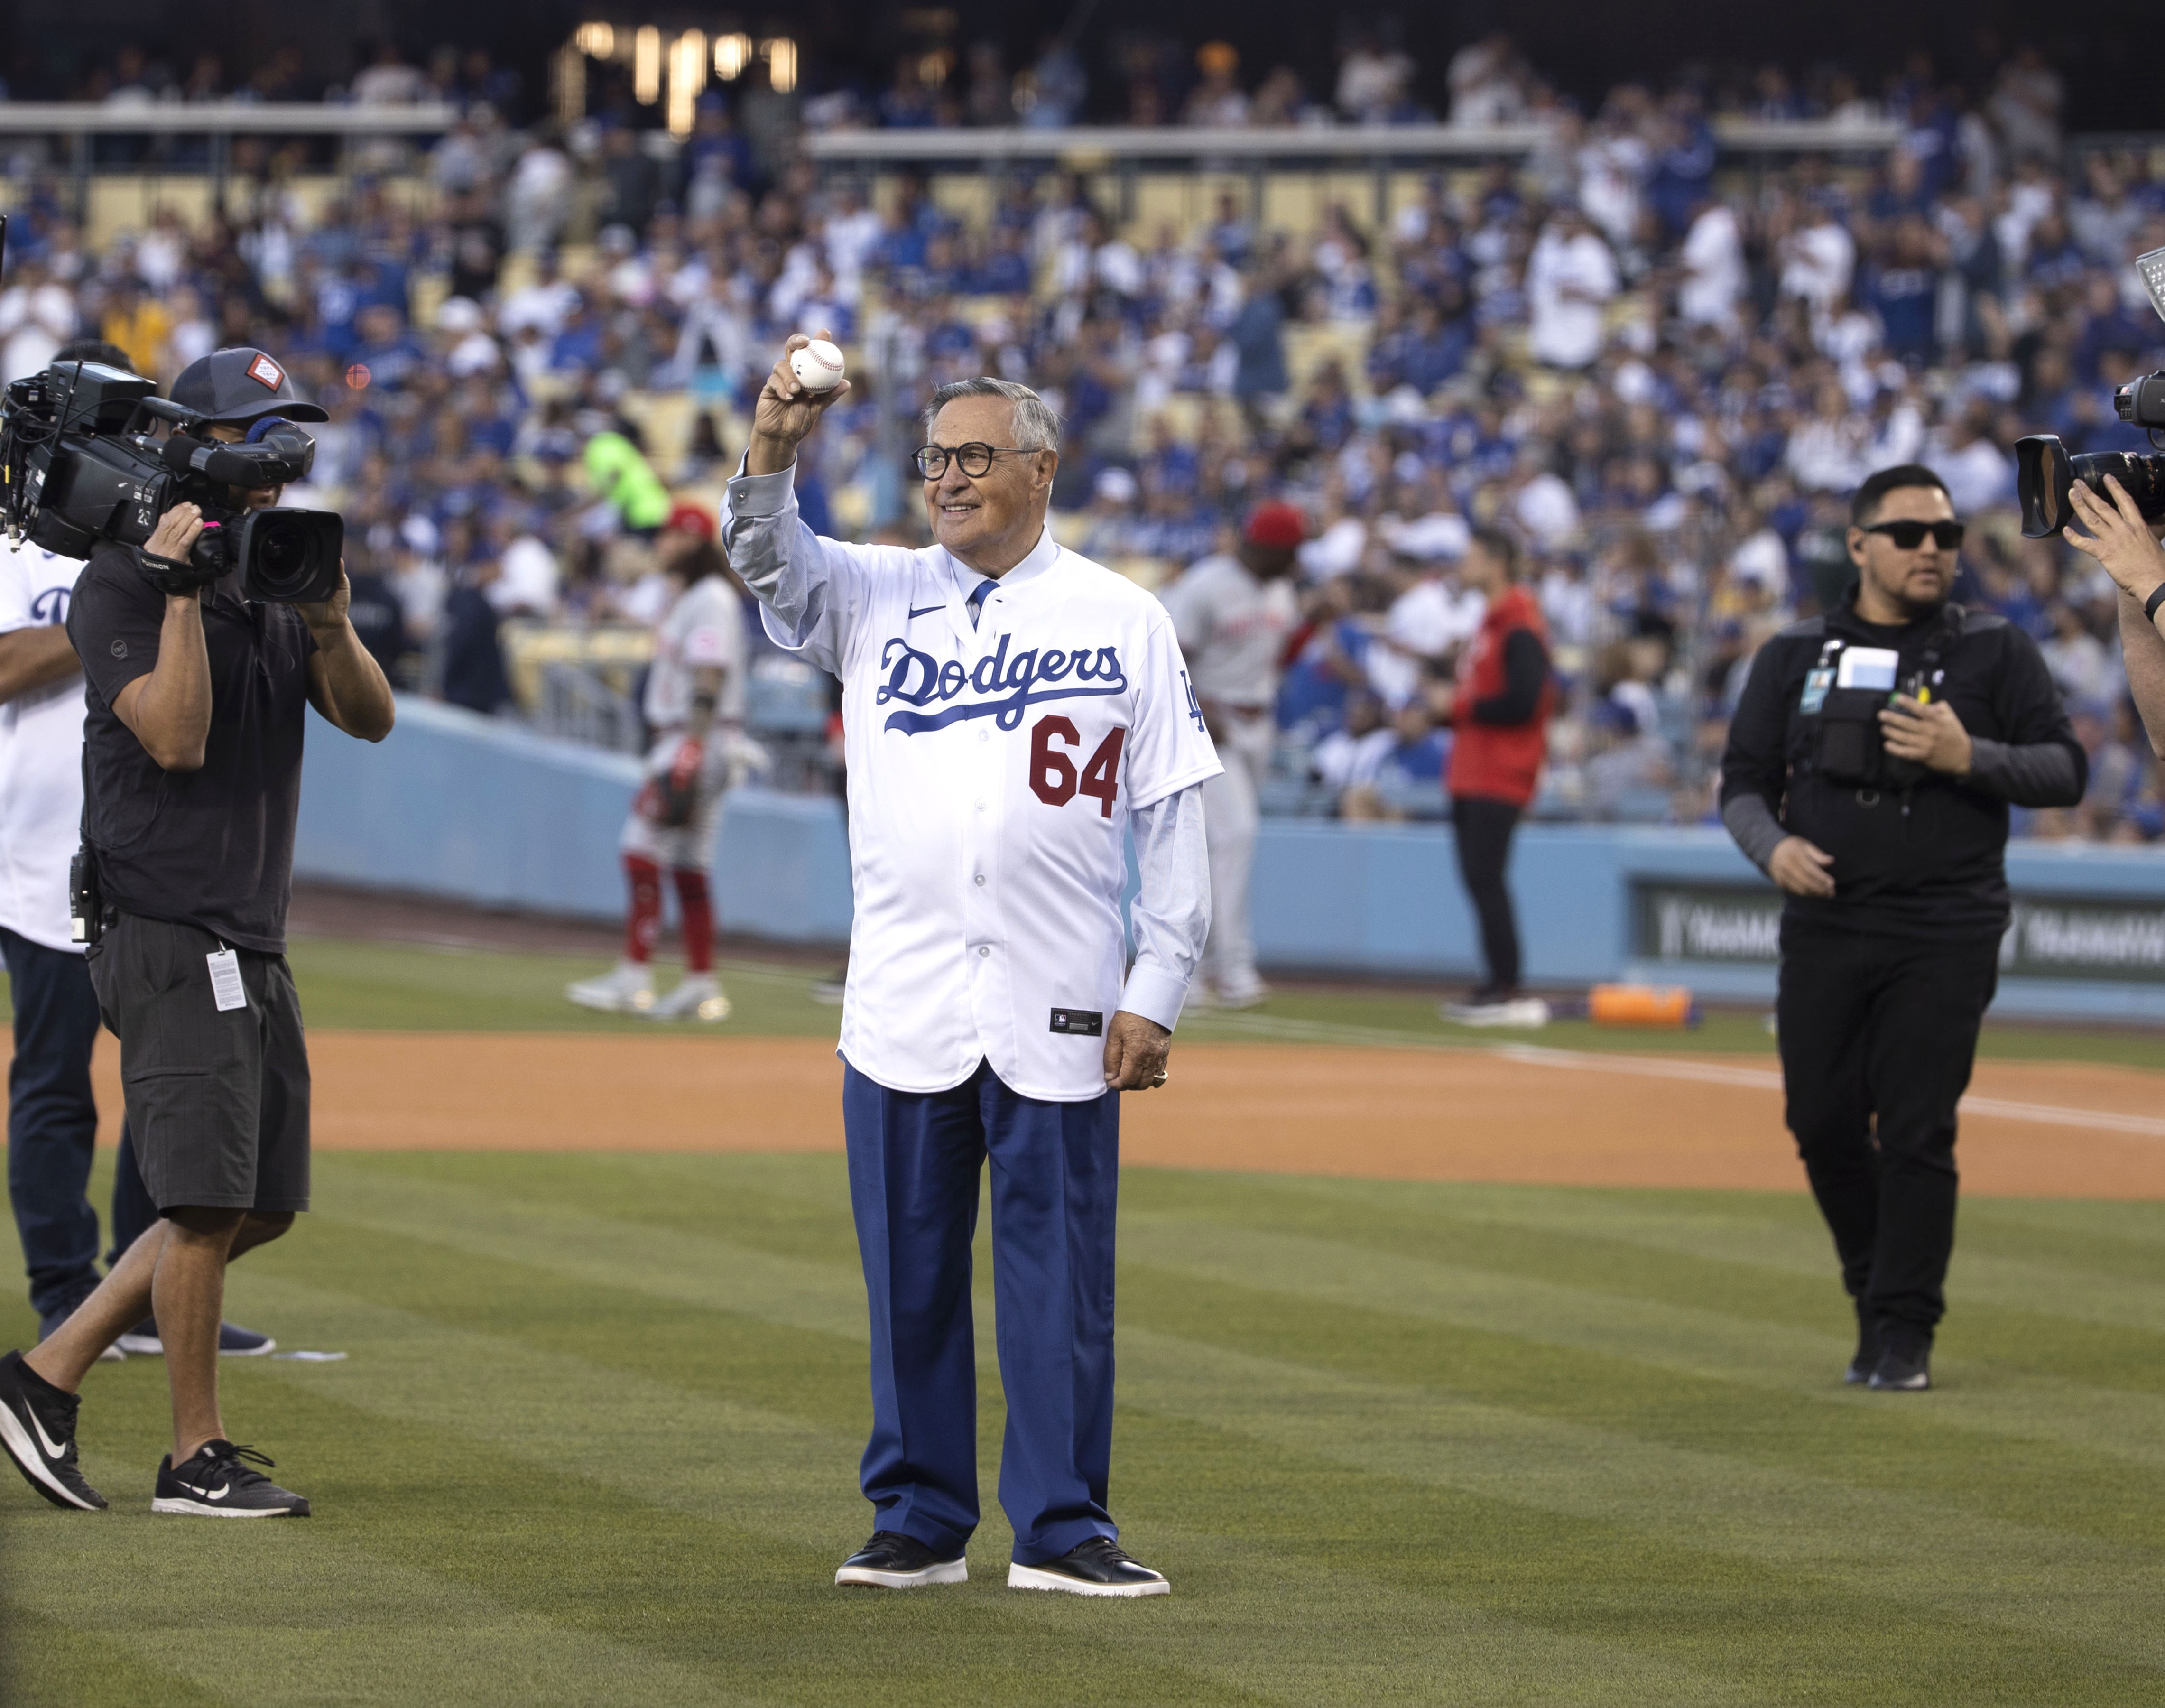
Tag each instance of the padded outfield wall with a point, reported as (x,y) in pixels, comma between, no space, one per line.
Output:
(476,809)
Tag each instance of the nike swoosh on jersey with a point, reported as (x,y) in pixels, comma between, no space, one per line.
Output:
(53,1451)
(926,610)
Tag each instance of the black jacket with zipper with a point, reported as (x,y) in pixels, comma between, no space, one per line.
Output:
(1924,857)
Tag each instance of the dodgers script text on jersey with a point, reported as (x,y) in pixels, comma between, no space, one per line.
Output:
(992,767)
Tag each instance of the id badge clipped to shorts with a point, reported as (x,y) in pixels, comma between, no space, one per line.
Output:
(226,988)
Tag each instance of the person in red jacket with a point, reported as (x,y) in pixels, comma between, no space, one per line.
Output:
(1500,712)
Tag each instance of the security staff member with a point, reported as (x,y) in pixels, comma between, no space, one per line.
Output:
(196,704)
(1870,765)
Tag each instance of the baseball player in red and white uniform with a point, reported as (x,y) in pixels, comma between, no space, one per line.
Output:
(1013,713)
(695,705)
(1233,611)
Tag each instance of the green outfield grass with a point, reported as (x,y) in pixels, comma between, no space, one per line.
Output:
(1394,1443)
(374,984)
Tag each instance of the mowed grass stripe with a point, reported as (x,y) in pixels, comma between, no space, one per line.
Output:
(1762,1633)
(1760,1254)
(510,1543)
(357,1609)
(1895,1444)
(1728,1507)
(1360,1502)
(2051,1587)
(793,1483)
(51,1663)
(1766,1257)
(1689,1339)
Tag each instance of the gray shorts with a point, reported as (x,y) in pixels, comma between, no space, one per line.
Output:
(217,1101)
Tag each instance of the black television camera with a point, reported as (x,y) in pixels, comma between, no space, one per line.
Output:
(2045,472)
(79,464)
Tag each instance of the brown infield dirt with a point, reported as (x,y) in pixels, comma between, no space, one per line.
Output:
(1516,1115)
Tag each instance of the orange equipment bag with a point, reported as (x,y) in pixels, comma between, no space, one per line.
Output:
(1668,1005)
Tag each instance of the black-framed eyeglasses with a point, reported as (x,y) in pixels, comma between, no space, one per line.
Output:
(1908,536)
(975,459)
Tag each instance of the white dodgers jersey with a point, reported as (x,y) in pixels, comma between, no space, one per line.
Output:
(40,760)
(992,768)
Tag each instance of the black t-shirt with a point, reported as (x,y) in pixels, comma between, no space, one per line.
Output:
(1928,860)
(214,847)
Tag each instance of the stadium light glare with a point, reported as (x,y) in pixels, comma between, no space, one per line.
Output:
(780,53)
(687,77)
(597,39)
(567,73)
(732,54)
(647,64)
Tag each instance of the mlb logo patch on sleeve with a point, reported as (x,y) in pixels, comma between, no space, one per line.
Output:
(266,372)
(1079,1022)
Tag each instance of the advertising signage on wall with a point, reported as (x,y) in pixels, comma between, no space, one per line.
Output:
(2053,936)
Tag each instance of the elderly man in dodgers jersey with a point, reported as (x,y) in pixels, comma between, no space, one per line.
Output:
(1012,710)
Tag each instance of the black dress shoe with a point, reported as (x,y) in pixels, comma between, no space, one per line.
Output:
(893,1561)
(1099,1566)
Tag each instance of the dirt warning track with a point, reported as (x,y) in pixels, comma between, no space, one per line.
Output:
(1516,1113)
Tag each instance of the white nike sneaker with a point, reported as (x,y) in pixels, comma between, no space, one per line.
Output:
(1527,1012)
(699,998)
(627,989)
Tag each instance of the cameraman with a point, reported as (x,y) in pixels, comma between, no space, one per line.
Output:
(1869,769)
(193,769)
(52,1113)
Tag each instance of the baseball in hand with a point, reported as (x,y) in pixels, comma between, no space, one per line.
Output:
(817,366)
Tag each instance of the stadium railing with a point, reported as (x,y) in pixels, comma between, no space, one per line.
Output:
(78,123)
(1382,151)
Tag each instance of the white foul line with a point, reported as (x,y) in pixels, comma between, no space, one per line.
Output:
(1649,1066)
(1760,1079)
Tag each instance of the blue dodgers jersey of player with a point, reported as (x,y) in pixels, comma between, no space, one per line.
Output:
(992,769)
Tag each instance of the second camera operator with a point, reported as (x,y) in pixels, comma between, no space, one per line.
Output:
(197,703)
(1870,766)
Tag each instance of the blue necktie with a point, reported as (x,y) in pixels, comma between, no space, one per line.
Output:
(978,600)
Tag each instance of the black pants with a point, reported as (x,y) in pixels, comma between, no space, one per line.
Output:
(1879,1035)
(1484,827)
(52,1129)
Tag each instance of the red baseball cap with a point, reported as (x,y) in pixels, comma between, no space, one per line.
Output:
(692,519)
(1276,524)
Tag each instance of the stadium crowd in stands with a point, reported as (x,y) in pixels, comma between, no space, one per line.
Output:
(1661,374)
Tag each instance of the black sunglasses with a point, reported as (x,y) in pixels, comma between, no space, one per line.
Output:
(1908,536)
(975,458)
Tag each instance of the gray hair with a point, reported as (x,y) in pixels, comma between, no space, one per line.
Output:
(1036,428)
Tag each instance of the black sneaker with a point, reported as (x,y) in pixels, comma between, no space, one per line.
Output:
(215,1483)
(1867,1348)
(1903,1368)
(37,1425)
(1099,1566)
(893,1561)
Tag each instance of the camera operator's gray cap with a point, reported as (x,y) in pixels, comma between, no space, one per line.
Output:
(237,386)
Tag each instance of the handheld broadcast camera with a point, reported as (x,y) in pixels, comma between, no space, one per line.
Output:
(79,464)
(2045,472)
